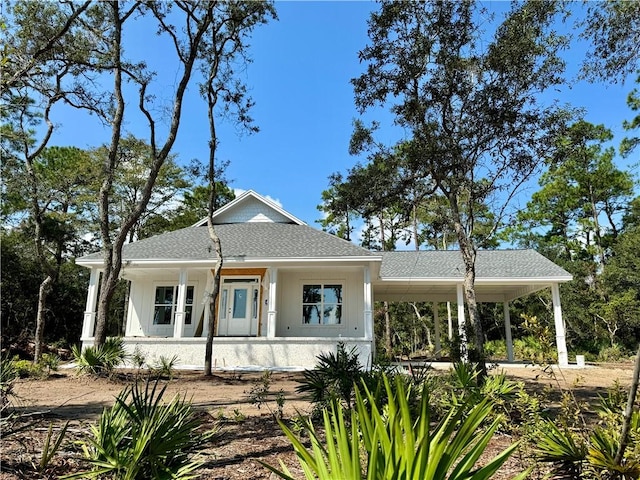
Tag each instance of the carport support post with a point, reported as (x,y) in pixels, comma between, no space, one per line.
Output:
(507,330)
(89,321)
(436,329)
(368,305)
(178,321)
(271,309)
(561,344)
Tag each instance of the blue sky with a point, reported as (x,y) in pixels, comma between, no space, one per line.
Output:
(299,79)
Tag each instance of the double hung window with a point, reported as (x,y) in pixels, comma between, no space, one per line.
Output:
(322,304)
(166,301)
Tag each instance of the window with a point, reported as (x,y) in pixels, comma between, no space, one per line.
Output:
(166,301)
(322,304)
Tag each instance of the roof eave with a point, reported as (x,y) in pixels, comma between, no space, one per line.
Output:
(481,280)
(232,260)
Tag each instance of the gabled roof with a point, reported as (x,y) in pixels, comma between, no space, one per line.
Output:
(253,229)
(250,207)
(247,241)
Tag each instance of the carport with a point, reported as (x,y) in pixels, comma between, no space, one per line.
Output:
(501,277)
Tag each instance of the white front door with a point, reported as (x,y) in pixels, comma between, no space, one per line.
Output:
(238,308)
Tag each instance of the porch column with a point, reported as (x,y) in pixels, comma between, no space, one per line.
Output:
(507,330)
(368,305)
(436,328)
(561,344)
(89,321)
(178,320)
(272,311)
(464,354)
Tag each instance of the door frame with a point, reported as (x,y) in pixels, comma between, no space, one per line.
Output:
(227,285)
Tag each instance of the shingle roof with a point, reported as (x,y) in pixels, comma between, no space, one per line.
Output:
(251,240)
(279,240)
(448,264)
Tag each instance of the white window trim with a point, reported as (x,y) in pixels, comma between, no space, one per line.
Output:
(174,305)
(324,282)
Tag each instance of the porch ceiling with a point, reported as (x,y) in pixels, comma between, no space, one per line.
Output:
(416,291)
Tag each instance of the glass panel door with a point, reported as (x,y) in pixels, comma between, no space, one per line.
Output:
(238,307)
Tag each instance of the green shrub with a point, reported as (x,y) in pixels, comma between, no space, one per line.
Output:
(495,349)
(101,360)
(50,361)
(141,437)
(28,369)
(391,443)
(8,375)
(333,378)
(138,358)
(165,367)
(613,353)
(581,451)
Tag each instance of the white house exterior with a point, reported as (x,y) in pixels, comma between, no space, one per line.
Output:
(290,292)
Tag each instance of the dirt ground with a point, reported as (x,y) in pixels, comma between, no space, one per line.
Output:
(248,432)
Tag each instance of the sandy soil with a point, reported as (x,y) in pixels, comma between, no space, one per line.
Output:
(249,433)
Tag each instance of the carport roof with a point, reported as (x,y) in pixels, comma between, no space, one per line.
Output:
(497,264)
(501,275)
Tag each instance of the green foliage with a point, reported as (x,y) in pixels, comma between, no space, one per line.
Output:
(164,367)
(50,448)
(50,361)
(578,451)
(100,360)
(612,28)
(138,358)
(28,369)
(21,277)
(142,437)
(613,353)
(538,345)
(333,378)
(582,218)
(19,282)
(495,349)
(563,449)
(394,444)
(260,394)
(8,375)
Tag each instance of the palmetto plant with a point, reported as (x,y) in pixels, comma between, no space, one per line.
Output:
(142,437)
(101,360)
(584,454)
(393,444)
(165,366)
(333,377)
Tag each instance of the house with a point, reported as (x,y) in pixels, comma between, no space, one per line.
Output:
(289,292)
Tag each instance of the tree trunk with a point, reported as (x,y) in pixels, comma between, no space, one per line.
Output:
(125,312)
(468,252)
(477,355)
(43,293)
(187,55)
(107,289)
(208,351)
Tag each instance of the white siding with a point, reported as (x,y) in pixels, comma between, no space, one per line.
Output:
(141,304)
(252,211)
(289,318)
